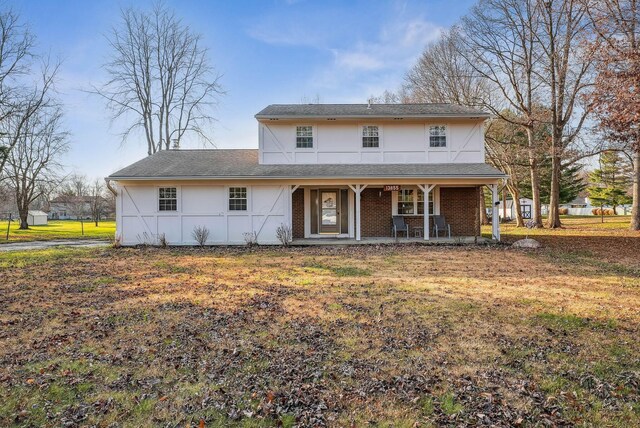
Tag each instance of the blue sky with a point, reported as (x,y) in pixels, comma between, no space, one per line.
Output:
(270,51)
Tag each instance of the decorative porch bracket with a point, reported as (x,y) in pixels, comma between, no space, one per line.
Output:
(495,219)
(357,189)
(426,188)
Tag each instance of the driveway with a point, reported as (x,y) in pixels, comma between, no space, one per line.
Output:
(39,245)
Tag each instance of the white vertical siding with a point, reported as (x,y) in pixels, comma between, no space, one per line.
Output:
(400,142)
(140,222)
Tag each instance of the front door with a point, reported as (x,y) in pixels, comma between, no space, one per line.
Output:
(329,211)
(526,211)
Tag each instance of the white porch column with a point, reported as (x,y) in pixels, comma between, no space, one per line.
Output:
(357,189)
(426,188)
(495,219)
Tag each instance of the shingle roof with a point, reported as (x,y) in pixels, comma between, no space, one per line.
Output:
(243,163)
(292,111)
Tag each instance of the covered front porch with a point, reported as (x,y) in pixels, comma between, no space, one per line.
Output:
(363,213)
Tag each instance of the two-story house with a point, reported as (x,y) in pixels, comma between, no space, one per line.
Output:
(324,170)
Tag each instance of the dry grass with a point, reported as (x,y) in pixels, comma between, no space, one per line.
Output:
(57,229)
(383,336)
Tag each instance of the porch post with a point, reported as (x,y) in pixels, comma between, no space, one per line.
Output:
(357,189)
(495,220)
(426,188)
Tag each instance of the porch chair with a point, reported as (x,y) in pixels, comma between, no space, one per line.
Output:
(440,224)
(399,226)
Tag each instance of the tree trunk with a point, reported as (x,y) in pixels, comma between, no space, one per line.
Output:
(635,205)
(553,218)
(484,220)
(515,195)
(24,214)
(536,209)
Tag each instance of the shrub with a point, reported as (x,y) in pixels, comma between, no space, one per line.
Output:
(200,234)
(563,211)
(284,234)
(116,241)
(251,238)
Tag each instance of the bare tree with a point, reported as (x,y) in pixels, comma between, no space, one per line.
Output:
(616,96)
(442,75)
(500,44)
(567,73)
(75,184)
(98,202)
(160,78)
(19,96)
(34,160)
(506,147)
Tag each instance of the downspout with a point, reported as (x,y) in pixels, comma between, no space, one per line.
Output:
(110,187)
(117,236)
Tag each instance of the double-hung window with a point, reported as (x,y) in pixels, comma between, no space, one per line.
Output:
(406,204)
(167,199)
(370,136)
(237,198)
(438,136)
(420,201)
(411,202)
(304,137)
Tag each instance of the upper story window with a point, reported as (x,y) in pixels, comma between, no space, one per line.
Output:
(167,199)
(237,198)
(438,136)
(304,137)
(370,136)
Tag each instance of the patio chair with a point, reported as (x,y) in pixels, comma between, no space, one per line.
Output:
(440,224)
(399,226)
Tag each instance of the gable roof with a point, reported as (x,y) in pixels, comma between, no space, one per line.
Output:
(293,111)
(243,163)
(36,212)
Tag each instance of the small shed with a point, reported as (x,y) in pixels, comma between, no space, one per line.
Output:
(37,218)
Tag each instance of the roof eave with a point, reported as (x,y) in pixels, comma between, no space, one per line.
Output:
(308,177)
(371,116)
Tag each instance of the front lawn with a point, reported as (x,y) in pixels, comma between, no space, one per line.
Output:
(368,336)
(57,229)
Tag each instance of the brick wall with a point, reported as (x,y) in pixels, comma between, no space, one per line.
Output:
(375,213)
(460,206)
(298,213)
(457,204)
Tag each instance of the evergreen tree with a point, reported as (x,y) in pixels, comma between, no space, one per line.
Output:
(611,182)
(571,183)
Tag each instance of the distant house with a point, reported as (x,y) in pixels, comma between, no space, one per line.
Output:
(582,206)
(37,218)
(67,207)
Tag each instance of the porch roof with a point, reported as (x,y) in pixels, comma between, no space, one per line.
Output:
(224,164)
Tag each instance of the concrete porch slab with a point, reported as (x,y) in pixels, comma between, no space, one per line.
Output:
(385,240)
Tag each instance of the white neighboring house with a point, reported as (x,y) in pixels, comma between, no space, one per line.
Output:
(323,170)
(582,206)
(67,207)
(37,218)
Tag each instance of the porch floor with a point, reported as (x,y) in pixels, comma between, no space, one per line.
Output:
(389,240)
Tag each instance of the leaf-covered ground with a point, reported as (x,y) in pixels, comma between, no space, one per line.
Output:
(368,336)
